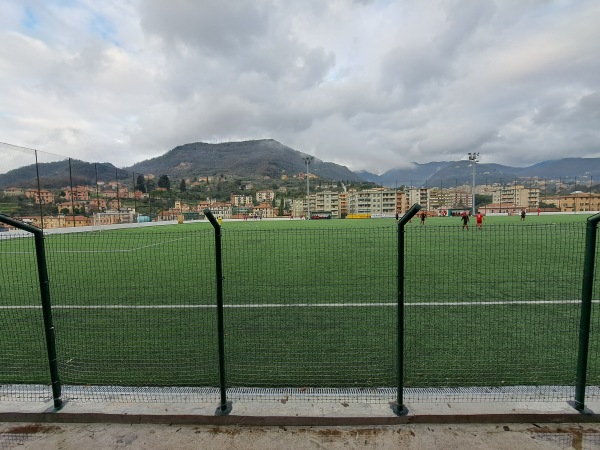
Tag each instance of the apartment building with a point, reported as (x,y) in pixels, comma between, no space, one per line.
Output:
(61,221)
(97,204)
(265,196)
(517,195)
(264,210)
(139,195)
(328,201)
(181,207)
(450,198)
(112,217)
(41,196)
(420,196)
(13,192)
(240,200)
(377,201)
(298,207)
(579,201)
(66,207)
(343,203)
(121,192)
(221,209)
(78,193)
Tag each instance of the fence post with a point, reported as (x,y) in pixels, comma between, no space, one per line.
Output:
(398,406)
(40,253)
(225,407)
(586,310)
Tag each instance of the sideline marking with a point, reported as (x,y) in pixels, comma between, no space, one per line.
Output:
(305,305)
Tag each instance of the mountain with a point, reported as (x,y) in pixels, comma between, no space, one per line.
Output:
(415,175)
(246,159)
(56,175)
(268,158)
(564,168)
(461,172)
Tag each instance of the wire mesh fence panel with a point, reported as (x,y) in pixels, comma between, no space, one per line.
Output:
(28,189)
(135,308)
(491,309)
(23,357)
(14,157)
(593,372)
(56,191)
(310,311)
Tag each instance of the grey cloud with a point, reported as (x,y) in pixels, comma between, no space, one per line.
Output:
(366,84)
(219,28)
(590,106)
(419,63)
(294,64)
(464,20)
(410,68)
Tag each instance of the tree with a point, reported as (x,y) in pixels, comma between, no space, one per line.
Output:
(163,182)
(140,184)
(281,207)
(182,186)
(150,185)
(481,200)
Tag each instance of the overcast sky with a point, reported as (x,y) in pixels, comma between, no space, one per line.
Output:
(372,85)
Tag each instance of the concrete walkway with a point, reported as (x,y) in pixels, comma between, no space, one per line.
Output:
(300,425)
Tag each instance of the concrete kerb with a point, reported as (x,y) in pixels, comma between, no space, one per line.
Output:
(297,414)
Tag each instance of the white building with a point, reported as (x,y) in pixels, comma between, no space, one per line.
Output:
(265,196)
(374,201)
(517,195)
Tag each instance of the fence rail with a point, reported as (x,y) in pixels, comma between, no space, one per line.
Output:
(386,313)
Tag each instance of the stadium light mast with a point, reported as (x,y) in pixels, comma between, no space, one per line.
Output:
(308,160)
(474,158)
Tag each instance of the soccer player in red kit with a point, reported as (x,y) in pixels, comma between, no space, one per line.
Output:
(479,220)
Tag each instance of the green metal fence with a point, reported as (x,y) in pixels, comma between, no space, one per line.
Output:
(308,311)
(495,310)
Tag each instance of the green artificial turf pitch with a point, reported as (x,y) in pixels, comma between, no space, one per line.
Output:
(307,304)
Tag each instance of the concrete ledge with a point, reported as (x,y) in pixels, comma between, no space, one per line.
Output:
(296,414)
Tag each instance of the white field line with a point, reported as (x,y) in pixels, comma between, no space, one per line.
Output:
(98,251)
(307,305)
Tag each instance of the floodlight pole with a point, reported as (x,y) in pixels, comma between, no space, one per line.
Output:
(474,158)
(308,160)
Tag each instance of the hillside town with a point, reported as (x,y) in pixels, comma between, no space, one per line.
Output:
(115,202)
